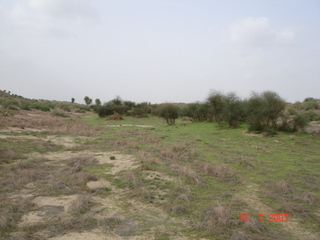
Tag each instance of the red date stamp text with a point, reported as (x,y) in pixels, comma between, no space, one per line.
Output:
(270,218)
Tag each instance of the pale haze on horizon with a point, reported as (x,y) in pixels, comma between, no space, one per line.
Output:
(159,50)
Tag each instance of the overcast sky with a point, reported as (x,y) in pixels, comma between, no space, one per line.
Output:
(159,50)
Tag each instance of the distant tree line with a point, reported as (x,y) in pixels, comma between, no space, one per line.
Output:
(263,112)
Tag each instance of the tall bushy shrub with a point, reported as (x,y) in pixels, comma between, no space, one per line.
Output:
(87,100)
(114,106)
(216,101)
(226,108)
(264,110)
(300,121)
(197,112)
(233,109)
(168,111)
(142,109)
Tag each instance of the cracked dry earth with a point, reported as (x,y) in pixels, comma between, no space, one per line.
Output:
(115,215)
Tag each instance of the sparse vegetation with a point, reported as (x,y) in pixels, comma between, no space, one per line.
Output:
(143,179)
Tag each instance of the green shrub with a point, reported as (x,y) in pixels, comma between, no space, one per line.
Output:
(226,108)
(264,111)
(65,107)
(141,109)
(83,107)
(25,106)
(87,100)
(45,108)
(129,104)
(168,111)
(41,106)
(9,103)
(103,111)
(114,106)
(197,112)
(311,115)
(57,113)
(292,111)
(216,100)
(300,121)
(80,111)
(98,102)
(311,105)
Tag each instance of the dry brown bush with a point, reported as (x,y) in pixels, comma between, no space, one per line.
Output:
(116,116)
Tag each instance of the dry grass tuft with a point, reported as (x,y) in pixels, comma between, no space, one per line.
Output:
(187,174)
(238,202)
(147,160)
(68,181)
(283,186)
(246,163)
(178,209)
(108,224)
(81,205)
(177,152)
(255,226)
(293,208)
(222,172)
(4,222)
(132,180)
(14,178)
(81,161)
(217,215)
(216,220)
(7,154)
(306,197)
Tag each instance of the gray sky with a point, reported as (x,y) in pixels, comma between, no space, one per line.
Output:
(159,50)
